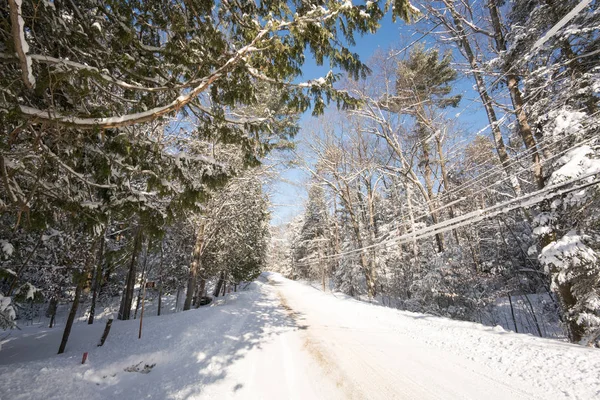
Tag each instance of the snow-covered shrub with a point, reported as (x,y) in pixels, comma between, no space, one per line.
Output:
(574,265)
(7,313)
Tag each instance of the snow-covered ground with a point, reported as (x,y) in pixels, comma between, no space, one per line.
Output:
(287,340)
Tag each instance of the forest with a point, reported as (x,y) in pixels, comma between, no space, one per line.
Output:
(413,209)
(137,139)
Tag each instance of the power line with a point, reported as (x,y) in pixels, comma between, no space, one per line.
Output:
(524,201)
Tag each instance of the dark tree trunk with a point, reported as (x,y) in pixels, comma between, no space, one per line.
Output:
(51,312)
(142,279)
(219,284)
(512,313)
(81,281)
(200,293)
(160,276)
(516,97)
(575,330)
(106,331)
(127,299)
(97,280)
(71,318)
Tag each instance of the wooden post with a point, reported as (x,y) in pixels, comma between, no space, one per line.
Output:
(147,285)
(142,316)
(322,269)
(84,357)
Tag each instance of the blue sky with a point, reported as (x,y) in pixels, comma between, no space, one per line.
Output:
(288,194)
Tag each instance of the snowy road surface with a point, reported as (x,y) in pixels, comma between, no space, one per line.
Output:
(287,340)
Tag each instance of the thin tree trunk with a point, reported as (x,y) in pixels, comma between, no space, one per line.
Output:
(440,151)
(512,313)
(81,280)
(194,267)
(411,216)
(427,174)
(461,37)
(51,312)
(71,317)
(516,98)
(336,233)
(219,284)
(201,289)
(97,278)
(127,299)
(537,324)
(106,332)
(372,233)
(359,241)
(160,276)
(142,284)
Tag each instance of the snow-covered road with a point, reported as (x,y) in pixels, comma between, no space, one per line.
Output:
(377,353)
(287,340)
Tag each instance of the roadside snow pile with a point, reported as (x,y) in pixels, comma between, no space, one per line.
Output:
(232,348)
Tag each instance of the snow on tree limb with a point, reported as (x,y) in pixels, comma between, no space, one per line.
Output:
(21,46)
(202,84)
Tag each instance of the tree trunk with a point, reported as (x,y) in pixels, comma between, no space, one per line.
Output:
(160,276)
(516,98)
(372,234)
(411,215)
(427,174)
(51,311)
(142,284)
(567,301)
(219,284)
(81,281)
(201,289)
(360,243)
(106,332)
(71,318)
(127,299)
(512,313)
(440,151)
(97,278)
(461,37)
(194,267)
(336,233)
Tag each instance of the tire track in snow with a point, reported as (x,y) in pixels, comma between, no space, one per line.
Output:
(329,368)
